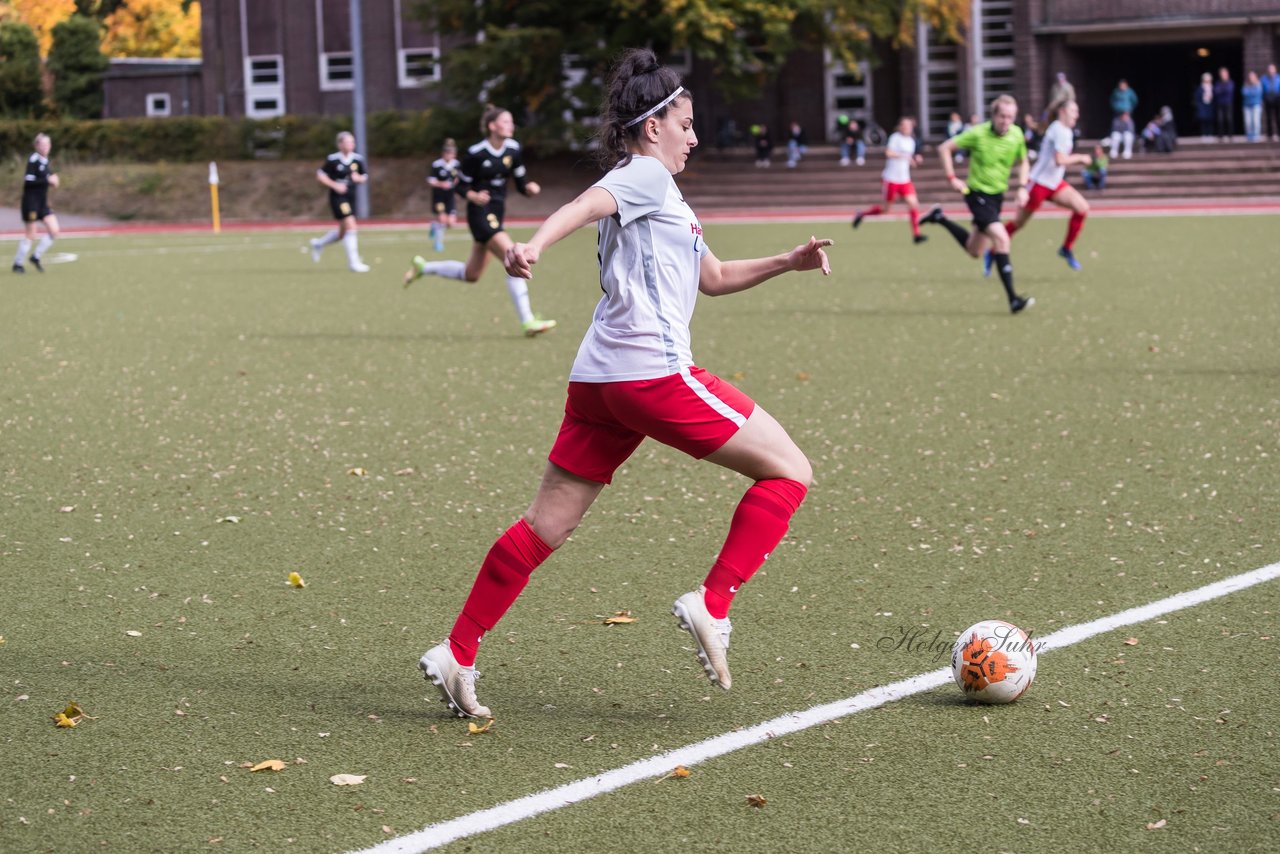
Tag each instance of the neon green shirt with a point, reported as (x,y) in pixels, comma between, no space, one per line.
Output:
(991,157)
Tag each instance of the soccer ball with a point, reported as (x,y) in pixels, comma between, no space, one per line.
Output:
(994,662)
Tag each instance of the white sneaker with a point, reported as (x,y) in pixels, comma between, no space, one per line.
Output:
(457,684)
(359,267)
(315,250)
(711,635)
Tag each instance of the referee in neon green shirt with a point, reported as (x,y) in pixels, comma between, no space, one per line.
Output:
(994,147)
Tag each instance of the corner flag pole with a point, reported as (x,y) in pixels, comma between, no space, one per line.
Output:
(213,197)
(357,103)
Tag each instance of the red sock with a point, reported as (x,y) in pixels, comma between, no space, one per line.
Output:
(1010,227)
(874,210)
(758,525)
(502,576)
(1073,230)
(915,222)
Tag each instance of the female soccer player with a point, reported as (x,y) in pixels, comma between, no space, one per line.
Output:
(634,376)
(443,179)
(339,172)
(35,205)
(482,180)
(900,156)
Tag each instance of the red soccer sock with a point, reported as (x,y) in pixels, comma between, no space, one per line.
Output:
(504,573)
(915,221)
(1073,230)
(1010,227)
(758,525)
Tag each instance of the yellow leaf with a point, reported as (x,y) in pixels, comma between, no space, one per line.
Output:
(619,618)
(268,765)
(62,720)
(473,728)
(296,580)
(680,771)
(1,640)
(347,779)
(70,716)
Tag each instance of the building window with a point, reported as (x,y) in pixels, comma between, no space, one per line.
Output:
(418,66)
(336,71)
(264,86)
(158,104)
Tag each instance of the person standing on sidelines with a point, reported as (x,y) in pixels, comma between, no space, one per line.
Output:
(634,377)
(900,152)
(994,148)
(444,180)
(35,206)
(482,180)
(1271,101)
(1048,182)
(340,172)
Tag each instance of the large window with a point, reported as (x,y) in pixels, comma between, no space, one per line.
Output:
(264,86)
(337,71)
(418,66)
(938,73)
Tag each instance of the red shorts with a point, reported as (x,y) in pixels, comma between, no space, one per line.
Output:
(1039,194)
(692,411)
(898,191)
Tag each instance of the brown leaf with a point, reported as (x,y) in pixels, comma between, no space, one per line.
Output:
(756,801)
(1131,642)
(618,618)
(269,765)
(357,472)
(475,729)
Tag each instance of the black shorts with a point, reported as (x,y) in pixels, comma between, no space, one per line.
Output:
(35,209)
(985,208)
(342,205)
(485,220)
(444,201)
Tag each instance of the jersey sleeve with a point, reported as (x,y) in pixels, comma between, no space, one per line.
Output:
(518,172)
(467,171)
(967,138)
(358,164)
(639,188)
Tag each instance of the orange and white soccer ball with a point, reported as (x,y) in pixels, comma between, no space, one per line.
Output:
(994,662)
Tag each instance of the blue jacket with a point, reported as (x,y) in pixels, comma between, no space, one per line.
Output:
(1270,86)
(1123,100)
(1252,95)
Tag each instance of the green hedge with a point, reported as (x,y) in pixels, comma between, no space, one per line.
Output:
(201,138)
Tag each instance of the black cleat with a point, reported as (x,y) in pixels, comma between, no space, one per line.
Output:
(920,238)
(35,262)
(857,220)
(933,216)
(1017,304)
(18,268)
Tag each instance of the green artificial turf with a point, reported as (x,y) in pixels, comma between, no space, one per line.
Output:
(185,420)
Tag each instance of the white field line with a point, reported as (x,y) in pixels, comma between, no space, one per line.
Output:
(442,833)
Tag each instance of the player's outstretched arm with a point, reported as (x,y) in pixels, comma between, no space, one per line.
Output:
(717,278)
(593,205)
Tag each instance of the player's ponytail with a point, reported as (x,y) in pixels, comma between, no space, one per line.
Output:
(637,85)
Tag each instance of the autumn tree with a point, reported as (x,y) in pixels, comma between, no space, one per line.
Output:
(165,28)
(20,90)
(77,64)
(517,60)
(42,16)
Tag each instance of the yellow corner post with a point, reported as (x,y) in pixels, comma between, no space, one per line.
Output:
(213,197)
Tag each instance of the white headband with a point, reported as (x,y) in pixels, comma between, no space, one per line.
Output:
(658,106)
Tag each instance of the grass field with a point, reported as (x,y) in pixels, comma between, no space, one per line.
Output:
(185,420)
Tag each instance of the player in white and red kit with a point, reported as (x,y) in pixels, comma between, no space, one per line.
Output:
(1048,180)
(900,151)
(634,377)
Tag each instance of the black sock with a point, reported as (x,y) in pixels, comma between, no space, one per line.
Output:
(960,234)
(1006,273)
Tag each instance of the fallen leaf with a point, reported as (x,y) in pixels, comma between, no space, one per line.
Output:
(269,765)
(70,716)
(62,720)
(803,376)
(756,801)
(1131,642)
(232,519)
(296,580)
(473,728)
(133,633)
(619,617)
(357,472)
(680,771)
(1156,825)
(1,640)
(563,765)
(70,508)
(347,779)
(386,828)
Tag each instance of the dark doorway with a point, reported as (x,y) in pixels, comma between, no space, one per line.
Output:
(1161,74)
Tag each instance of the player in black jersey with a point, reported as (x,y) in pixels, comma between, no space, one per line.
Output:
(482,180)
(35,205)
(339,172)
(444,202)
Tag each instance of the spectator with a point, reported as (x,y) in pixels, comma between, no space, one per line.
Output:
(1202,100)
(797,145)
(1123,100)
(1061,91)
(764,146)
(955,125)
(849,133)
(1122,132)
(1095,174)
(1168,128)
(1271,101)
(1251,95)
(1224,103)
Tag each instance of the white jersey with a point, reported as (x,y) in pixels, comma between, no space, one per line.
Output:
(650,254)
(897,170)
(1046,171)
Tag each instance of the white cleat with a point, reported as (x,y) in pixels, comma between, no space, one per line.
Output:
(710,634)
(359,267)
(457,684)
(315,250)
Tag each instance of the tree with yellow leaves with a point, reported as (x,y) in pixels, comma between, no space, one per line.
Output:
(152,28)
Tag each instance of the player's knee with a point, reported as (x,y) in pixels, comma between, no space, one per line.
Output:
(552,528)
